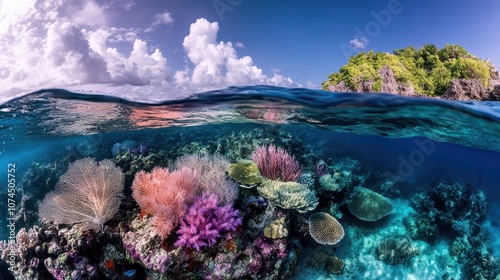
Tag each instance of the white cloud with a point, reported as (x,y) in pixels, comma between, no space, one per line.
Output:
(48,43)
(160,19)
(163,18)
(216,64)
(312,85)
(118,4)
(65,43)
(239,45)
(360,43)
(276,70)
(88,13)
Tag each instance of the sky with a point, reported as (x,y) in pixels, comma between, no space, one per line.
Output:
(154,50)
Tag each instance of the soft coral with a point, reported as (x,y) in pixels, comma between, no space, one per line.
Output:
(164,194)
(205,222)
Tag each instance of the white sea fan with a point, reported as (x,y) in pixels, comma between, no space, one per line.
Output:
(87,194)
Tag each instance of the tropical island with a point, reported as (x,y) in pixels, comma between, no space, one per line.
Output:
(448,73)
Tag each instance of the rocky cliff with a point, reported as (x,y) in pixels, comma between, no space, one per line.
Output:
(389,84)
(459,89)
(450,72)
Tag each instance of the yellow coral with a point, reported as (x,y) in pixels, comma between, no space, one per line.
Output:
(276,229)
(246,172)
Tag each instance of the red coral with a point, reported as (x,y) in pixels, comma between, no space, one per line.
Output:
(275,163)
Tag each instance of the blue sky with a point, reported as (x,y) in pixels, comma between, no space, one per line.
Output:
(194,45)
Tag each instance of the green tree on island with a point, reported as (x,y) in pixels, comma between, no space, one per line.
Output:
(429,69)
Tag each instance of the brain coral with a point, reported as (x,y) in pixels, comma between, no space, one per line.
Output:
(368,205)
(276,229)
(325,229)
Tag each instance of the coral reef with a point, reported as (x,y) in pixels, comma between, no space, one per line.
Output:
(396,250)
(235,145)
(325,229)
(166,195)
(205,222)
(460,208)
(191,221)
(87,194)
(276,229)
(123,147)
(327,263)
(289,195)
(477,255)
(368,205)
(131,163)
(321,169)
(42,175)
(335,182)
(246,172)
(275,163)
(212,173)
(233,258)
(51,253)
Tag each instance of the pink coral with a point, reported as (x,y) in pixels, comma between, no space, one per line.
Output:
(275,163)
(166,195)
(205,222)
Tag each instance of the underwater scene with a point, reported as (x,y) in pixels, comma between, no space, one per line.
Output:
(251,182)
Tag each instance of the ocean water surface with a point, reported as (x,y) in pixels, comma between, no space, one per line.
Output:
(402,188)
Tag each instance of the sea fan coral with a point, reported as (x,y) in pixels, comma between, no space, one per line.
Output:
(166,195)
(275,163)
(205,222)
(212,170)
(88,194)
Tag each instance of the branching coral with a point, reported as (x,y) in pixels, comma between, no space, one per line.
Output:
(212,171)
(460,208)
(166,195)
(275,163)
(289,195)
(396,250)
(205,222)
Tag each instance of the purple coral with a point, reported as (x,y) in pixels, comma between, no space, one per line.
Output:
(205,222)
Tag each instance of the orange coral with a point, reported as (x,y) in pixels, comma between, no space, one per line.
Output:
(166,195)
(230,245)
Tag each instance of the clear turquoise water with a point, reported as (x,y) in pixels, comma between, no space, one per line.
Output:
(383,133)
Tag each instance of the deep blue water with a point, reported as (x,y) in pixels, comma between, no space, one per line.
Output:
(414,142)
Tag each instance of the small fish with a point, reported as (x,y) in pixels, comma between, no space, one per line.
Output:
(256,200)
(129,273)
